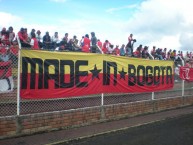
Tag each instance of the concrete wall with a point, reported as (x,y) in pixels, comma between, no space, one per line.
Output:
(11,126)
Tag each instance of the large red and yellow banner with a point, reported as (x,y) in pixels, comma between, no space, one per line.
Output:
(67,74)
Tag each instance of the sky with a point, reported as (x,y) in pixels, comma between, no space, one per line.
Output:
(160,23)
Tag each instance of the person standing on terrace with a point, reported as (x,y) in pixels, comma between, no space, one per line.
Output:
(93,43)
(130,43)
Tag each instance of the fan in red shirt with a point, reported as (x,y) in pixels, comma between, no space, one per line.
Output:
(22,37)
(164,53)
(5,38)
(138,51)
(116,51)
(99,43)
(86,44)
(26,35)
(105,47)
(34,42)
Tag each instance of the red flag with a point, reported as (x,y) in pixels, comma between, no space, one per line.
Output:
(186,74)
(6,80)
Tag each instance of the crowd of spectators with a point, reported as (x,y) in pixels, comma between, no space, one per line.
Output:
(88,44)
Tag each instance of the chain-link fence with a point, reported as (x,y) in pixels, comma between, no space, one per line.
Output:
(8,79)
(9,103)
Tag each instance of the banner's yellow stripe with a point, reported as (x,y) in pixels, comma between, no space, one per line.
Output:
(93,59)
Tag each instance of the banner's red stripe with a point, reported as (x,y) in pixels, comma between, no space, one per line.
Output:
(95,86)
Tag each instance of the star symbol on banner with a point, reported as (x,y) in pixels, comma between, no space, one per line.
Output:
(122,74)
(95,72)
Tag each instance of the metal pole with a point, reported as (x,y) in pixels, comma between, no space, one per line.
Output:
(182,88)
(102,99)
(18,78)
(182,80)
(153,96)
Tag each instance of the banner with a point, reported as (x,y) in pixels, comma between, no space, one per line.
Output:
(67,74)
(6,80)
(186,73)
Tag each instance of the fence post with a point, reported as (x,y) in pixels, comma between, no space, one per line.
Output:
(152,96)
(102,99)
(18,78)
(182,88)
(183,80)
